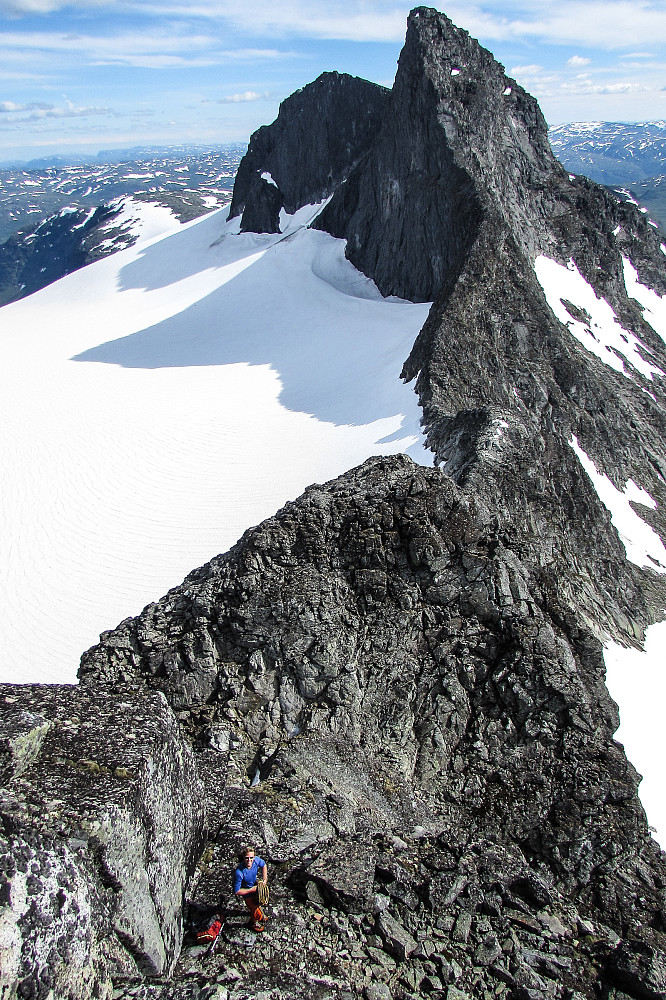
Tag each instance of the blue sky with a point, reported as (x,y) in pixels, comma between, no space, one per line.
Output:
(86,75)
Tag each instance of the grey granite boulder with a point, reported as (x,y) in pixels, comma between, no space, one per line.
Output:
(101,815)
(397,940)
(344,873)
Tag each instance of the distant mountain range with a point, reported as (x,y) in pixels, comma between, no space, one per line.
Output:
(611,152)
(631,157)
(120,156)
(198,176)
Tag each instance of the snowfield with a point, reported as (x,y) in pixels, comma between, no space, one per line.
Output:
(635,678)
(600,332)
(637,682)
(161,401)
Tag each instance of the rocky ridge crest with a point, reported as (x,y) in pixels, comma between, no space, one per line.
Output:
(454,199)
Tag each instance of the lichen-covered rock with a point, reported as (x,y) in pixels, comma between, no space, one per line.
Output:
(344,871)
(101,824)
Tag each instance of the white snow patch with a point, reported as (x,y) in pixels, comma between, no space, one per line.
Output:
(162,400)
(268,178)
(601,334)
(88,217)
(617,230)
(507,91)
(290,224)
(628,195)
(662,247)
(145,219)
(455,72)
(653,224)
(642,544)
(636,680)
(572,177)
(654,305)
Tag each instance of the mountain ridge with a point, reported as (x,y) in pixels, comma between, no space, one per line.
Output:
(396,683)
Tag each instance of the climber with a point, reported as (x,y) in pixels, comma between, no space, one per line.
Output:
(247,888)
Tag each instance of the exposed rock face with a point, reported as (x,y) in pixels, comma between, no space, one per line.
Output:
(455,197)
(63,243)
(503,383)
(101,824)
(379,660)
(319,134)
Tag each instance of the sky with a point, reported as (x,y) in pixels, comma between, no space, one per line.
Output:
(85,75)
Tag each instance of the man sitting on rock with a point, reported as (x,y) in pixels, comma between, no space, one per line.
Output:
(245,884)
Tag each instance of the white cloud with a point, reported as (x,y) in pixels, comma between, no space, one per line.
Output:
(359,21)
(10,107)
(159,50)
(594,23)
(532,70)
(15,114)
(598,23)
(615,88)
(578,61)
(244,98)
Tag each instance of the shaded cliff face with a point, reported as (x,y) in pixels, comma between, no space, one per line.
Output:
(458,135)
(309,149)
(511,364)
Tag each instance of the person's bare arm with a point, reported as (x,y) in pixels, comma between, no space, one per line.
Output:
(264,876)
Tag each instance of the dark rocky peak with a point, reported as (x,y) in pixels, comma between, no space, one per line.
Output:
(317,137)
(459,140)
(463,145)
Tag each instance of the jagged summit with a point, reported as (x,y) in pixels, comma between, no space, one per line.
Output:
(458,198)
(309,149)
(460,140)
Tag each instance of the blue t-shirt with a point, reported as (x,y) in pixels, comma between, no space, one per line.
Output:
(245,878)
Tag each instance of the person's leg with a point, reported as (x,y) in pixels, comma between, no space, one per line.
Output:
(250,900)
(252,903)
